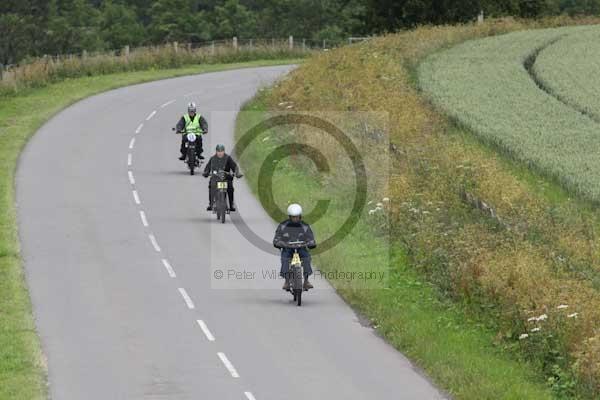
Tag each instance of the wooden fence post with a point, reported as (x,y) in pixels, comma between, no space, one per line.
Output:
(1,71)
(480,18)
(175,47)
(212,48)
(126,51)
(235,44)
(324,43)
(291,42)
(303,44)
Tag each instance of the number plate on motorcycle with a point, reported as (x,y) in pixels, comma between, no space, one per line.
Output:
(221,185)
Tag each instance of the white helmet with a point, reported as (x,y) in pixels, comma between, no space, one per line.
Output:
(294,210)
(192,107)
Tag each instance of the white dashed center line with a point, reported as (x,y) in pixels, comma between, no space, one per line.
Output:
(167,103)
(132,143)
(152,114)
(136,197)
(131,178)
(168,267)
(154,243)
(204,328)
(143,217)
(187,299)
(129,159)
(249,396)
(228,365)
(139,128)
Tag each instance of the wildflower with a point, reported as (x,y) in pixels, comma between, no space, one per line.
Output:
(290,106)
(562,307)
(414,210)
(426,212)
(371,212)
(523,336)
(532,319)
(379,204)
(283,103)
(386,199)
(265,139)
(574,315)
(370,202)
(542,317)
(536,329)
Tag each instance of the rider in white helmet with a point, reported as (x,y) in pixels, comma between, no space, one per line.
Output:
(192,123)
(291,230)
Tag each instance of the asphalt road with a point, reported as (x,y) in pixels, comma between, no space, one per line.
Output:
(120,258)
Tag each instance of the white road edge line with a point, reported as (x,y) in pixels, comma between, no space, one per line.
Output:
(228,365)
(167,103)
(154,243)
(132,143)
(186,298)
(152,114)
(168,267)
(143,217)
(206,331)
(131,178)
(249,396)
(139,128)
(136,197)
(129,160)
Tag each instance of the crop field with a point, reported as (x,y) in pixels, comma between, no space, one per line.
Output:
(485,86)
(570,70)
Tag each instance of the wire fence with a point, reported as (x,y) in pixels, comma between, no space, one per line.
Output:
(186,52)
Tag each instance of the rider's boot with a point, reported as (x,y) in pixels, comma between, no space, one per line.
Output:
(286,285)
(182,156)
(307,284)
(209,208)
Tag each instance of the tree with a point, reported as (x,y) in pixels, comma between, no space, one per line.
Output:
(120,26)
(233,19)
(177,20)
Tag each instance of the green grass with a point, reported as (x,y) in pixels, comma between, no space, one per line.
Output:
(455,348)
(22,365)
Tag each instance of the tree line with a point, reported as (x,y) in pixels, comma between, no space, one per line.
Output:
(36,27)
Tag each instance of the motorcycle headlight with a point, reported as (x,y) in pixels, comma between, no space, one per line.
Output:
(191,137)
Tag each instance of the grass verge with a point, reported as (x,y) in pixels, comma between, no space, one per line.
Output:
(22,365)
(455,349)
(509,248)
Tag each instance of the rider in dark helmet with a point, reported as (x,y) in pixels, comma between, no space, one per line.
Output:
(291,230)
(221,161)
(192,123)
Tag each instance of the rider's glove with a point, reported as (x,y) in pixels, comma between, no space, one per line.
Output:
(238,175)
(205,175)
(311,244)
(280,244)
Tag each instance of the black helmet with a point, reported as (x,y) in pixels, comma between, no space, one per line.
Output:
(220,147)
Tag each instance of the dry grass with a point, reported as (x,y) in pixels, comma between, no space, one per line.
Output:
(526,249)
(43,71)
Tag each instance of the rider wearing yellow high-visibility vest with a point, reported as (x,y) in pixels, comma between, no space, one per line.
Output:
(192,123)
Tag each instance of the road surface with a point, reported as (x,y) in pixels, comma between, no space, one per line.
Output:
(120,255)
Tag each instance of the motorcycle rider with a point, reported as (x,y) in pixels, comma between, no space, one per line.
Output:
(221,161)
(192,123)
(291,230)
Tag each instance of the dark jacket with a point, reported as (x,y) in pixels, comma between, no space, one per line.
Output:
(225,163)
(181,125)
(289,231)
